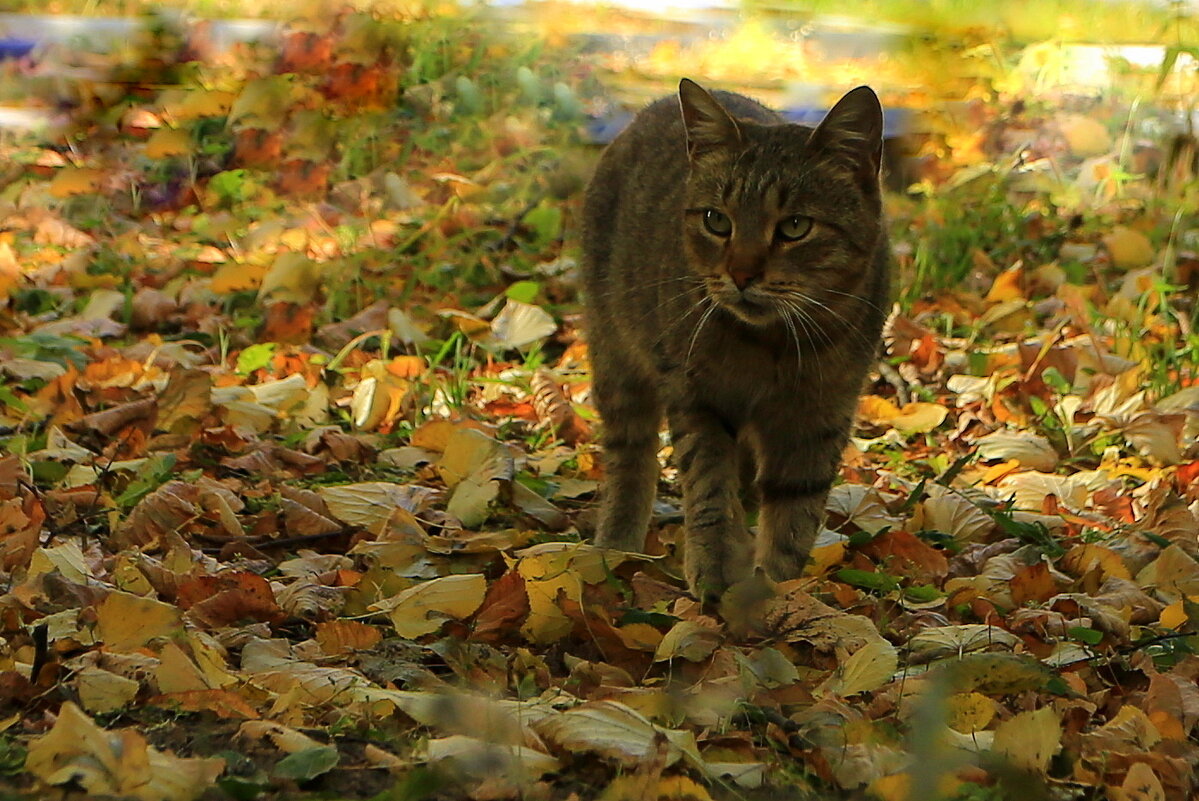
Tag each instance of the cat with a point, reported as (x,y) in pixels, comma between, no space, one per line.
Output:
(735,271)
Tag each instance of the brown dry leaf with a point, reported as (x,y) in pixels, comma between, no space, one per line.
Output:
(117,763)
(229,598)
(19,532)
(798,616)
(900,552)
(504,607)
(555,410)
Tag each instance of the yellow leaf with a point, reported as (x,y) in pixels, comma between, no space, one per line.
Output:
(1085,135)
(1084,558)
(192,104)
(914,417)
(71,181)
(1030,739)
(681,788)
(1007,285)
(919,417)
(166,143)
(424,608)
(126,622)
(869,668)
(969,712)
(237,277)
(1128,248)
(1173,616)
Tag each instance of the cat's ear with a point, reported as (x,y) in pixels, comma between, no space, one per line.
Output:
(852,132)
(708,125)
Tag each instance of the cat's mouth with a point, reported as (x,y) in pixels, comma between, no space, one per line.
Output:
(749,305)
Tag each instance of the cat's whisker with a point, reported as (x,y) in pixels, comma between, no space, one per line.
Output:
(786,313)
(833,313)
(699,327)
(858,298)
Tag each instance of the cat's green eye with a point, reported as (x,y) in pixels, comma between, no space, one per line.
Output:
(717,223)
(794,228)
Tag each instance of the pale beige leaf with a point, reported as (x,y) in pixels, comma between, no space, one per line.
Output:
(615,731)
(101,691)
(1031,450)
(521,324)
(943,641)
(688,640)
(483,759)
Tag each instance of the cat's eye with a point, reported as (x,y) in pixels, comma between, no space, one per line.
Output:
(794,228)
(717,222)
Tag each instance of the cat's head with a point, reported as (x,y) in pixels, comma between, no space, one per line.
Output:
(782,220)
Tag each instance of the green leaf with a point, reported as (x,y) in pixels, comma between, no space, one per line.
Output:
(523,291)
(546,223)
(150,476)
(239,788)
(1083,634)
(255,357)
(307,764)
(878,582)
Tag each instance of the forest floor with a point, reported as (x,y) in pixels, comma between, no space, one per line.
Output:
(298,457)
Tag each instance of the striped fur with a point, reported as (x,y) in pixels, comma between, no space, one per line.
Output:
(752,346)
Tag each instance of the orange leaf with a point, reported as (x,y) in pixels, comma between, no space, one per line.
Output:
(346,636)
(222,703)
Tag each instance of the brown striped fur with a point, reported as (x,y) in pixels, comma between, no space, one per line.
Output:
(753,347)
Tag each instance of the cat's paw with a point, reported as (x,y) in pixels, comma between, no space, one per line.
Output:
(711,571)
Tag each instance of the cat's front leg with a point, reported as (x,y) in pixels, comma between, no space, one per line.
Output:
(795,472)
(718,546)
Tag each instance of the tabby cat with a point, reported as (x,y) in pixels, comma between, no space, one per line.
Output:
(736,273)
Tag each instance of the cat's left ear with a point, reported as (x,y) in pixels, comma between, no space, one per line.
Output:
(708,125)
(852,131)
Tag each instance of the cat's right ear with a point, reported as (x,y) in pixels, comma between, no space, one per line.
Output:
(707,124)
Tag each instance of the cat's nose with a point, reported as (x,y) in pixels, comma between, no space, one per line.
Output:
(743,278)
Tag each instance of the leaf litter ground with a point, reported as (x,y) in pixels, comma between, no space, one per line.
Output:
(299,447)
